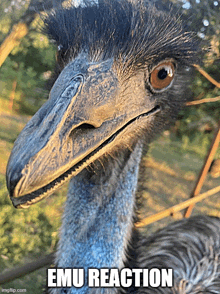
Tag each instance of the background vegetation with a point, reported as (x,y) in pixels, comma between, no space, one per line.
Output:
(176,157)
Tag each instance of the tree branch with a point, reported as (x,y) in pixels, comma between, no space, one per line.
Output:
(26,269)
(21,29)
(176,208)
(206,75)
(205,100)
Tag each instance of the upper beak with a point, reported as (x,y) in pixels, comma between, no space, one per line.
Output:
(69,132)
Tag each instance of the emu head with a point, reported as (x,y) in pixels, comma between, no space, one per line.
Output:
(123,77)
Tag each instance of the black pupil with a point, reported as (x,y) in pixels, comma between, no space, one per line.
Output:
(162,74)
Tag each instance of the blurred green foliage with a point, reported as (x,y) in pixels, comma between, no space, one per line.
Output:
(30,66)
(28,232)
(21,231)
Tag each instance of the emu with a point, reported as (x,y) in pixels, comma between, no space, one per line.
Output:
(124,67)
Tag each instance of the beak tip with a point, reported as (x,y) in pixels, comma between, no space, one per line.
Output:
(12,200)
(13,177)
(19,202)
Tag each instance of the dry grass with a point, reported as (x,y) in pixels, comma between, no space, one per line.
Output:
(167,177)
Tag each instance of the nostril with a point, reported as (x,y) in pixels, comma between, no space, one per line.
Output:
(86,126)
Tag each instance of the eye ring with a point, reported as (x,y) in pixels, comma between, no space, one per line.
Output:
(162,75)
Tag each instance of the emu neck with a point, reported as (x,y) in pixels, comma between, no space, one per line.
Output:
(98,217)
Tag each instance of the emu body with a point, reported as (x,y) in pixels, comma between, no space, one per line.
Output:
(124,69)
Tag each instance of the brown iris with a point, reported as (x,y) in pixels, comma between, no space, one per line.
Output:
(162,75)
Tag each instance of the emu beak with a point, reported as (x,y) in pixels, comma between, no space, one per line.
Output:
(73,128)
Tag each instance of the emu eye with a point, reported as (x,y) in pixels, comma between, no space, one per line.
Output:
(162,75)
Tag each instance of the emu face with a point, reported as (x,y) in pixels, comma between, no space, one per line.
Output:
(124,68)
